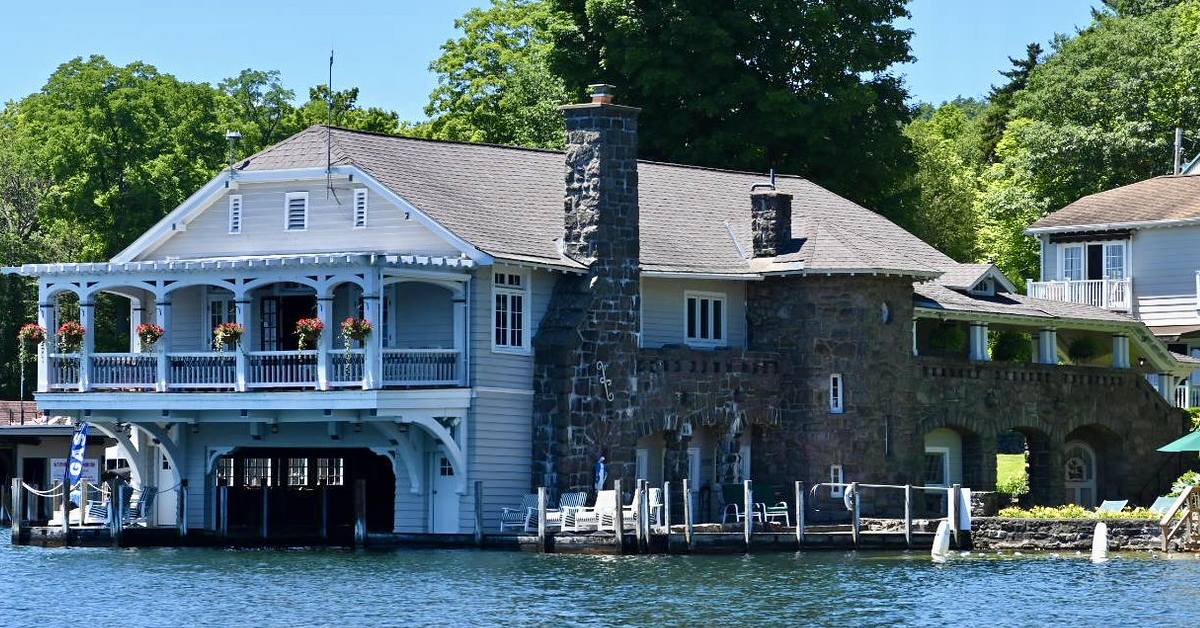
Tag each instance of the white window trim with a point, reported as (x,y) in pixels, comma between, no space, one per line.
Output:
(703,342)
(1124,259)
(287,199)
(360,193)
(212,296)
(836,476)
(241,214)
(837,402)
(1062,260)
(1127,257)
(945,451)
(526,345)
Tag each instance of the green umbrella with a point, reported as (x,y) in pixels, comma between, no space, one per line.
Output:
(1188,442)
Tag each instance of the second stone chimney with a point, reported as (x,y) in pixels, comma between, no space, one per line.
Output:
(770,221)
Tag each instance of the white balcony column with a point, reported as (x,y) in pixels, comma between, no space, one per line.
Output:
(87,318)
(373,347)
(162,314)
(979,342)
(46,321)
(1166,387)
(135,318)
(325,313)
(460,336)
(241,314)
(1120,352)
(1047,346)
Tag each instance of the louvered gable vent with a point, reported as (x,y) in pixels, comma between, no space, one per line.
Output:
(235,213)
(296,211)
(360,209)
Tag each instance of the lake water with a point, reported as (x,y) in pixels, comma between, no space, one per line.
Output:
(207,587)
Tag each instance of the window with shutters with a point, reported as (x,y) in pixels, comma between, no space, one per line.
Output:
(511,303)
(235,213)
(704,318)
(360,209)
(295,211)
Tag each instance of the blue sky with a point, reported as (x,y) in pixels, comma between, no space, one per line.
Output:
(384,47)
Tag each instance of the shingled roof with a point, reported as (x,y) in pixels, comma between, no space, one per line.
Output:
(1172,197)
(508,202)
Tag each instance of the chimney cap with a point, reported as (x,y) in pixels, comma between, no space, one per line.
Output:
(601,93)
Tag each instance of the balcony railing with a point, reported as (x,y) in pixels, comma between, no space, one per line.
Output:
(1112,294)
(63,371)
(420,367)
(281,369)
(120,371)
(205,370)
(1187,396)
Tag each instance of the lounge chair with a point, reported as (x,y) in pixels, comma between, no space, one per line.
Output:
(518,517)
(607,520)
(1162,505)
(604,509)
(1112,505)
(734,497)
(555,516)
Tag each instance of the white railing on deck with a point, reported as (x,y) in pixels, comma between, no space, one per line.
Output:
(1113,294)
(346,369)
(124,370)
(64,371)
(201,370)
(281,369)
(420,367)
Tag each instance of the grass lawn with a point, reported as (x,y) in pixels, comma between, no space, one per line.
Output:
(1009,466)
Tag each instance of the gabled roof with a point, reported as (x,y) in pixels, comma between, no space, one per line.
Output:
(508,202)
(967,276)
(1161,199)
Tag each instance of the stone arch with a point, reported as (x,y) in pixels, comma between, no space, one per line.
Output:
(1035,444)
(977,444)
(1106,446)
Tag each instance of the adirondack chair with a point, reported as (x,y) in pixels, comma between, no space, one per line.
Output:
(555,516)
(518,517)
(139,513)
(605,507)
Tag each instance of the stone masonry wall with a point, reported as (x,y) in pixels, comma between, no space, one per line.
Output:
(1004,534)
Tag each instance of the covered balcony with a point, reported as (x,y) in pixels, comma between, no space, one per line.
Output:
(1111,294)
(416,308)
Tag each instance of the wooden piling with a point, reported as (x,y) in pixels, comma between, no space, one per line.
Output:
(181,510)
(908,504)
(799,515)
(666,522)
(543,540)
(952,512)
(478,513)
(264,528)
(687,513)
(360,513)
(66,511)
(223,512)
(118,512)
(15,504)
(619,517)
(856,520)
(748,496)
(637,521)
(644,518)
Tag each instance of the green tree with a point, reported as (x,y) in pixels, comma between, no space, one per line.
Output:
(947,145)
(346,113)
(494,82)
(1000,99)
(804,87)
(257,106)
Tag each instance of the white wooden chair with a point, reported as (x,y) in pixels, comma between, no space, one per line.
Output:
(555,517)
(518,517)
(604,509)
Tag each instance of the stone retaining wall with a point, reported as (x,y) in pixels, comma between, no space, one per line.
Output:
(1006,534)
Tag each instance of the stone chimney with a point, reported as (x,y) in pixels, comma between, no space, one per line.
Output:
(601,200)
(770,220)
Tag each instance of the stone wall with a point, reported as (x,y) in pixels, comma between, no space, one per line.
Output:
(1004,534)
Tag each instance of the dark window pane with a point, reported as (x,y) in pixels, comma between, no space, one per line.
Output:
(704,322)
(718,319)
(691,318)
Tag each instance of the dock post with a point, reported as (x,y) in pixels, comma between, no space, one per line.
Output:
(908,504)
(118,512)
(748,496)
(478,513)
(264,530)
(181,512)
(360,512)
(687,512)
(15,504)
(799,515)
(666,522)
(66,511)
(855,500)
(223,512)
(324,529)
(543,541)
(637,521)
(619,517)
(952,512)
(644,518)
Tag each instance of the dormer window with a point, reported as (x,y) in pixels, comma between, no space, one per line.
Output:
(295,211)
(235,213)
(984,288)
(360,209)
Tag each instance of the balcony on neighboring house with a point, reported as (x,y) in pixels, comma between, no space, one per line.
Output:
(416,307)
(1111,294)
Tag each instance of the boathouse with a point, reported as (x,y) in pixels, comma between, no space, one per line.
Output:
(533,310)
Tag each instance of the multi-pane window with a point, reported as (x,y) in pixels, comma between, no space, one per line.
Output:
(269,324)
(256,471)
(295,211)
(837,393)
(235,213)
(225,471)
(360,208)
(1114,261)
(510,298)
(937,461)
(705,318)
(445,469)
(329,472)
(221,309)
(297,471)
(1072,263)
(836,478)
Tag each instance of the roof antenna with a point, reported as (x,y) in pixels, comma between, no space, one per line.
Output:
(328,131)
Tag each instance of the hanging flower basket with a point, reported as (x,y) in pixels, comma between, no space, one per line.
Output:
(29,336)
(308,332)
(227,335)
(149,334)
(70,336)
(353,330)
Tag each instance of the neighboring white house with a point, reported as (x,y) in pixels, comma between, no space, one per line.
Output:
(1133,249)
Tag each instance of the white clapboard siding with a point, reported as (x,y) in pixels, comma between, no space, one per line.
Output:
(329,226)
(1171,310)
(1165,262)
(496,369)
(188,331)
(664,317)
(501,435)
(424,316)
